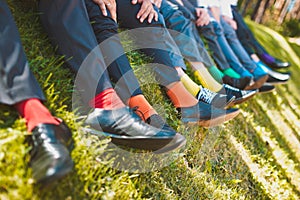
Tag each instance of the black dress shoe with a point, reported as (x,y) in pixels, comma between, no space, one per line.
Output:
(157,122)
(50,157)
(240,83)
(124,123)
(278,64)
(277,78)
(266,88)
(257,83)
(126,129)
(215,99)
(206,115)
(240,95)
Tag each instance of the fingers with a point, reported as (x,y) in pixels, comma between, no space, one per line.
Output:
(234,25)
(113,12)
(134,2)
(152,15)
(105,5)
(203,19)
(147,11)
(102,6)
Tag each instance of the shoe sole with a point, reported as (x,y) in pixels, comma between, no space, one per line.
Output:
(241,100)
(179,141)
(123,137)
(257,84)
(267,91)
(215,121)
(152,145)
(145,143)
(278,82)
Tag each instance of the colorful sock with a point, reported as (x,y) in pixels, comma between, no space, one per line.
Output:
(190,85)
(216,73)
(263,66)
(179,96)
(144,109)
(107,99)
(207,80)
(230,72)
(35,113)
(267,58)
(246,73)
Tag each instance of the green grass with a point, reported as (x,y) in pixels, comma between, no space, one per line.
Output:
(255,156)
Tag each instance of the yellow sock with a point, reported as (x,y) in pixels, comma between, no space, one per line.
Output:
(190,85)
(207,80)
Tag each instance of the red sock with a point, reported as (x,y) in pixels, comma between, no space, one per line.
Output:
(35,113)
(107,99)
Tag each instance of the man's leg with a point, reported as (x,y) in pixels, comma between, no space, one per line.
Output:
(119,69)
(67,24)
(228,52)
(260,76)
(251,44)
(68,27)
(19,88)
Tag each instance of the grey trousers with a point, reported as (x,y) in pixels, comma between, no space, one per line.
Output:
(17,82)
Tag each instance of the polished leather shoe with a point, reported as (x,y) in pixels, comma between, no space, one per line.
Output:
(240,95)
(240,83)
(266,88)
(124,123)
(206,115)
(50,157)
(276,77)
(215,99)
(257,83)
(158,122)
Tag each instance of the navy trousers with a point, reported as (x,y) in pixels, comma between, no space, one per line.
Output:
(245,35)
(17,82)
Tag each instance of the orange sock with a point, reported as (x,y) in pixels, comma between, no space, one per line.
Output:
(107,99)
(145,110)
(179,96)
(35,113)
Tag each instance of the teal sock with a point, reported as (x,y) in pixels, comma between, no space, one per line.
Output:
(216,73)
(230,72)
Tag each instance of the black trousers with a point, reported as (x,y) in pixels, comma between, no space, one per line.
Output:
(17,82)
(68,26)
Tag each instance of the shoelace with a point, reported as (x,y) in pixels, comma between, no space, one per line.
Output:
(136,109)
(232,88)
(206,95)
(154,120)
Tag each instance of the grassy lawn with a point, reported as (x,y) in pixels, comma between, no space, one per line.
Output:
(255,156)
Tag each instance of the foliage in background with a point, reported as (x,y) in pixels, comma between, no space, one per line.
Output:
(282,16)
